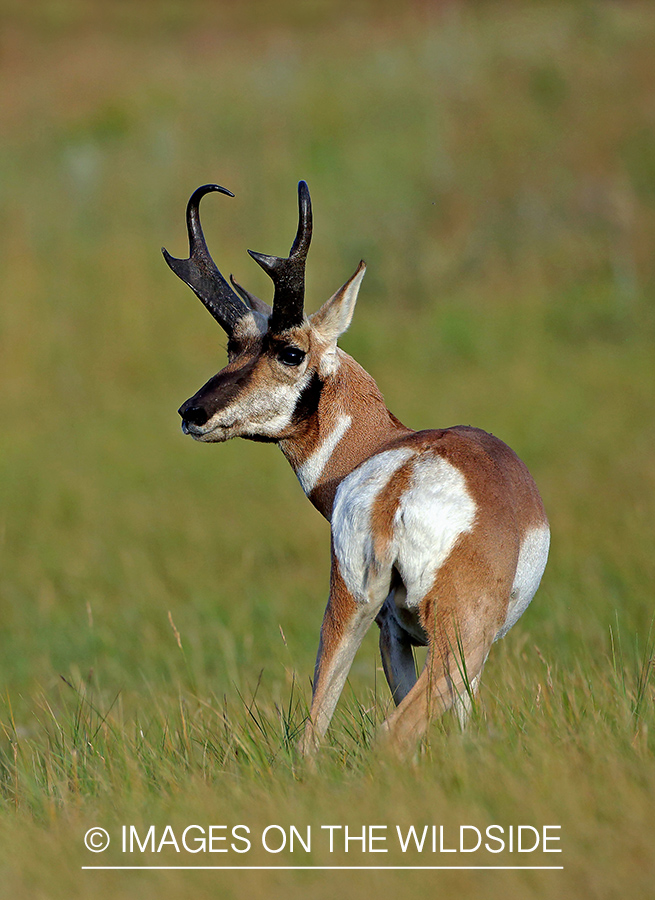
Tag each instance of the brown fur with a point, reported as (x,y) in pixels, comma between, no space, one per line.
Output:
(385,508)
(341,614)
(301,404)
(467,605)
(373,428)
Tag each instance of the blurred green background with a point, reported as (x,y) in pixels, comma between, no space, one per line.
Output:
(494,163)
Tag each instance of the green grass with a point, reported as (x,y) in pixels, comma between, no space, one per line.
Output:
(161,600)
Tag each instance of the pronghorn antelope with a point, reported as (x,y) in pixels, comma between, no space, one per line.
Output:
(439,536)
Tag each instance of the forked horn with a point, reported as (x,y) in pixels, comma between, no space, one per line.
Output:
(288,273)
(200,272)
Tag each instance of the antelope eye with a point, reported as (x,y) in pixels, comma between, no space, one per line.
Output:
(291,356)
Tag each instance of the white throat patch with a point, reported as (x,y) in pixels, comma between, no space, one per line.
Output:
(312,469)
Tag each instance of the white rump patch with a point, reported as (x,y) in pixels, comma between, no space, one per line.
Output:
(432,513)
(351,517)
(533,555)
(312,469)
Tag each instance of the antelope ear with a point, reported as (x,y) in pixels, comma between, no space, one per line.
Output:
(333,318)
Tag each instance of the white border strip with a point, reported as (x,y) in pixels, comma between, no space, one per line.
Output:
(323,868)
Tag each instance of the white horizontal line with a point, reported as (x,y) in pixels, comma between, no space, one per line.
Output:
(328,868)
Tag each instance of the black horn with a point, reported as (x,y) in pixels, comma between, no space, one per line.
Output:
(199,271)
(288,273)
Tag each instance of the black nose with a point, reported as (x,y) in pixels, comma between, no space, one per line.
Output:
(197,415)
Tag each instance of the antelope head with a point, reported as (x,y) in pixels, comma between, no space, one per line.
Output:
(278,358)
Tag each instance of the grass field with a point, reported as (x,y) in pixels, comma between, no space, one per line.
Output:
(494,164)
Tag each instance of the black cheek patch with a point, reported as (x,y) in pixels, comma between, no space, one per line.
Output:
(259,438)
(309,398)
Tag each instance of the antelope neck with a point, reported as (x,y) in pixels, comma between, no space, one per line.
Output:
(350,423)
